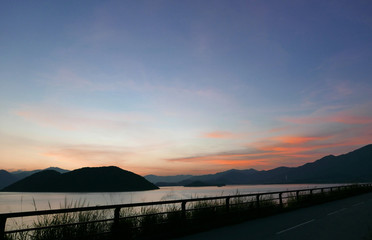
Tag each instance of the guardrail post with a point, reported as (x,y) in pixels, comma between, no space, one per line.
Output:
(297,196)
(227,204)
(280,200)
(183,206)
(116,227)
(2,227)
(117,215)
(258,200)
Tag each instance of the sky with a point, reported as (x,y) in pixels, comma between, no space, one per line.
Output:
(183,87)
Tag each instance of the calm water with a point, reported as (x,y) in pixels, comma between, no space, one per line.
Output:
(20,202)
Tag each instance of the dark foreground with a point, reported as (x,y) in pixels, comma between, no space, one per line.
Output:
(167,219)
(349,218)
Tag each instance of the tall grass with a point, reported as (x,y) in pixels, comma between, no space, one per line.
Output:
(74,225)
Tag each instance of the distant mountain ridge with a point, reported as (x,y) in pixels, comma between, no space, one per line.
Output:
(22,174)
(355,166)
(7,178)
(100,179)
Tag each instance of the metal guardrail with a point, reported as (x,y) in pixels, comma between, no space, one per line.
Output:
(256,198)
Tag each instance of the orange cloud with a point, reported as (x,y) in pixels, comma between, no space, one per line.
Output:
(222,157)
(258,160)
(232,163)
(286,150)
(302,149)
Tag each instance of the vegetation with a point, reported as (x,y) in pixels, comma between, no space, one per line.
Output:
(165,221)
(74,225)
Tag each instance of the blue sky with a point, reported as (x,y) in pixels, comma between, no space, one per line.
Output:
(171,87)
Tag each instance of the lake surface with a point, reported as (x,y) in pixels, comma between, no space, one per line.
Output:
(21,202)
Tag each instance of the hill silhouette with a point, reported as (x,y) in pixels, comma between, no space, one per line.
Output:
(100,179)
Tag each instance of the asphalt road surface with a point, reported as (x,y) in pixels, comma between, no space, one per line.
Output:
(348,219)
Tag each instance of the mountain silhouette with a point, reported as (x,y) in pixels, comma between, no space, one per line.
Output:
(100,179)
(355,166)
(232,176)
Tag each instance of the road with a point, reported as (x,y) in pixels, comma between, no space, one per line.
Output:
(349,218)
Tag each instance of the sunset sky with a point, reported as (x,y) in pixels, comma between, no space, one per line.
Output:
(183,87)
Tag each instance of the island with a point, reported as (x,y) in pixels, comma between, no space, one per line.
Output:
(204,184)
(94,179)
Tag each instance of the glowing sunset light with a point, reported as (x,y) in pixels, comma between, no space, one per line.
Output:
(183,87)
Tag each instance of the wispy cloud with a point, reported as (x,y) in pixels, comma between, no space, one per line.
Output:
(220,135)
(76,119)
(88,155)
(66,78)
(354,116)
